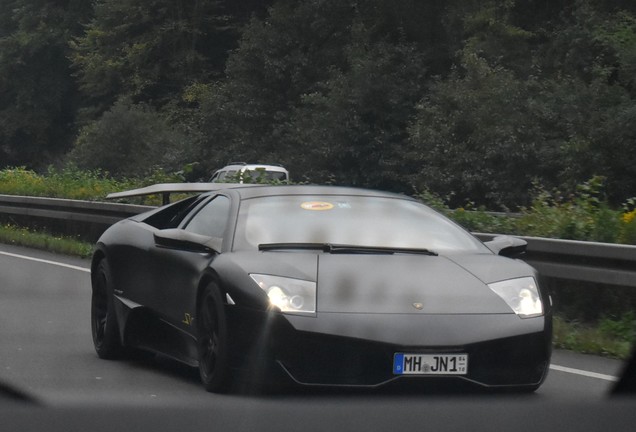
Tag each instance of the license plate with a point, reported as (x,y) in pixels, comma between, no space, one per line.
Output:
(430,364)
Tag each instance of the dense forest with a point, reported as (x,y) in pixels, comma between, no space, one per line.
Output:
(473,100)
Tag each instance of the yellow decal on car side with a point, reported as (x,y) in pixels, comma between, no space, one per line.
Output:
(187,320)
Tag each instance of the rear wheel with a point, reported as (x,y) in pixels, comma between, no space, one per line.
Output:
(212,341)
(103,321)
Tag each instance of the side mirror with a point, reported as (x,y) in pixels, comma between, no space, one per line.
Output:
(186,241)
(507,246)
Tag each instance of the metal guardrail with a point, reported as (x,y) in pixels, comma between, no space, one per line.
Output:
(604,263)
(563,259)
(65,209)
(86,219)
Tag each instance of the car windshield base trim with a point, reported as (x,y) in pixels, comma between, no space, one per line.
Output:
(345,249)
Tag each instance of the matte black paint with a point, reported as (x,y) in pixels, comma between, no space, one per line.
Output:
(364,303)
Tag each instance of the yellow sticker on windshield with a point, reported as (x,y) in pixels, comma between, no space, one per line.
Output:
(317,205)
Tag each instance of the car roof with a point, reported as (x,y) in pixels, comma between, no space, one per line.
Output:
(246,191)
(255,191)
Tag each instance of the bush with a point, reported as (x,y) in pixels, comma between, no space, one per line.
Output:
(68,182)
(628,223)
(584,215)
(73,183)
(610,337)
(129,141)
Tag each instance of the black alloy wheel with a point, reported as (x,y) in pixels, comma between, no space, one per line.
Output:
(103,321)
(212,340)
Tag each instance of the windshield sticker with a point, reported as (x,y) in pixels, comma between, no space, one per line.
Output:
(316,205)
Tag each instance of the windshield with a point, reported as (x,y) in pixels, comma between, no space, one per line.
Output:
(348,220)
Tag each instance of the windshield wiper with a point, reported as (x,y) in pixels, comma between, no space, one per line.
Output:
(345,249)
(325,247)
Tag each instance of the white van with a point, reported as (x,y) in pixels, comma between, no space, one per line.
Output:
(255,171)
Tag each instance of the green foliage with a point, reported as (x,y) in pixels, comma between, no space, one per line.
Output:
(317,88)
(546,100)
(574,49)
(483,222)
(68,183)
(279,60)
(623,327)
(489,30)
(476,135)
(73,183)
(584,215)
(473,99)
(433,200)
(355,126)
(628,222)
(129,141)
(151,50)
(610,337)
(579,132)
(618,32)
(38,96)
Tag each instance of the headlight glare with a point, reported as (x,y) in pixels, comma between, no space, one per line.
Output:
(522,295)
(287,294)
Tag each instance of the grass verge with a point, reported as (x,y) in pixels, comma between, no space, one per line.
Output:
(14,235)
(609,337)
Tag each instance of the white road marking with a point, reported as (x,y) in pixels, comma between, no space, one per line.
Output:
(583,373)
(46,261)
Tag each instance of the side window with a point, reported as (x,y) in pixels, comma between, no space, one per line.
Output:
(171,216)
(211,220)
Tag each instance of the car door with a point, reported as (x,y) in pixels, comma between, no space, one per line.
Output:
(177,272)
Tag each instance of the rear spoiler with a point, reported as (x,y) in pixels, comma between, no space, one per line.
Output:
(165,189)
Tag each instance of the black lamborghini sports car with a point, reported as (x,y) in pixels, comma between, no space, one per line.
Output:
(321,286)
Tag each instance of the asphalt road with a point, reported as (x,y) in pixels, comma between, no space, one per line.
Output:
(46,351)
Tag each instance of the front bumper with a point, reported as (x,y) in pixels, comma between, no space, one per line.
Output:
(503,350)
(319,360)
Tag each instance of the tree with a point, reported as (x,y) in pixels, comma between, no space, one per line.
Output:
(38,96)
(151,50)
(279,59)
(478,138)
(353,130)
(129,141)
(315,78)
(588,70)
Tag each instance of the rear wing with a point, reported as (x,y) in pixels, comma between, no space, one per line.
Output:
(165,189)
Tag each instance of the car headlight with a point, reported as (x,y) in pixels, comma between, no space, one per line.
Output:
(521,294)
(287,294)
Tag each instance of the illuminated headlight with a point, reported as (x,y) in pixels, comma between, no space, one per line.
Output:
(522,295)
(289,295)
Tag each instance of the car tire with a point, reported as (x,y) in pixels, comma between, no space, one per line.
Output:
(212,340)
(104,326)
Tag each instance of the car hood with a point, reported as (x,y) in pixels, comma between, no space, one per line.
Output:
(393,283)
(402,284)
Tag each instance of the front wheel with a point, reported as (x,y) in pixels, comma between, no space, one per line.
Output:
(212,341)
(103,321)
